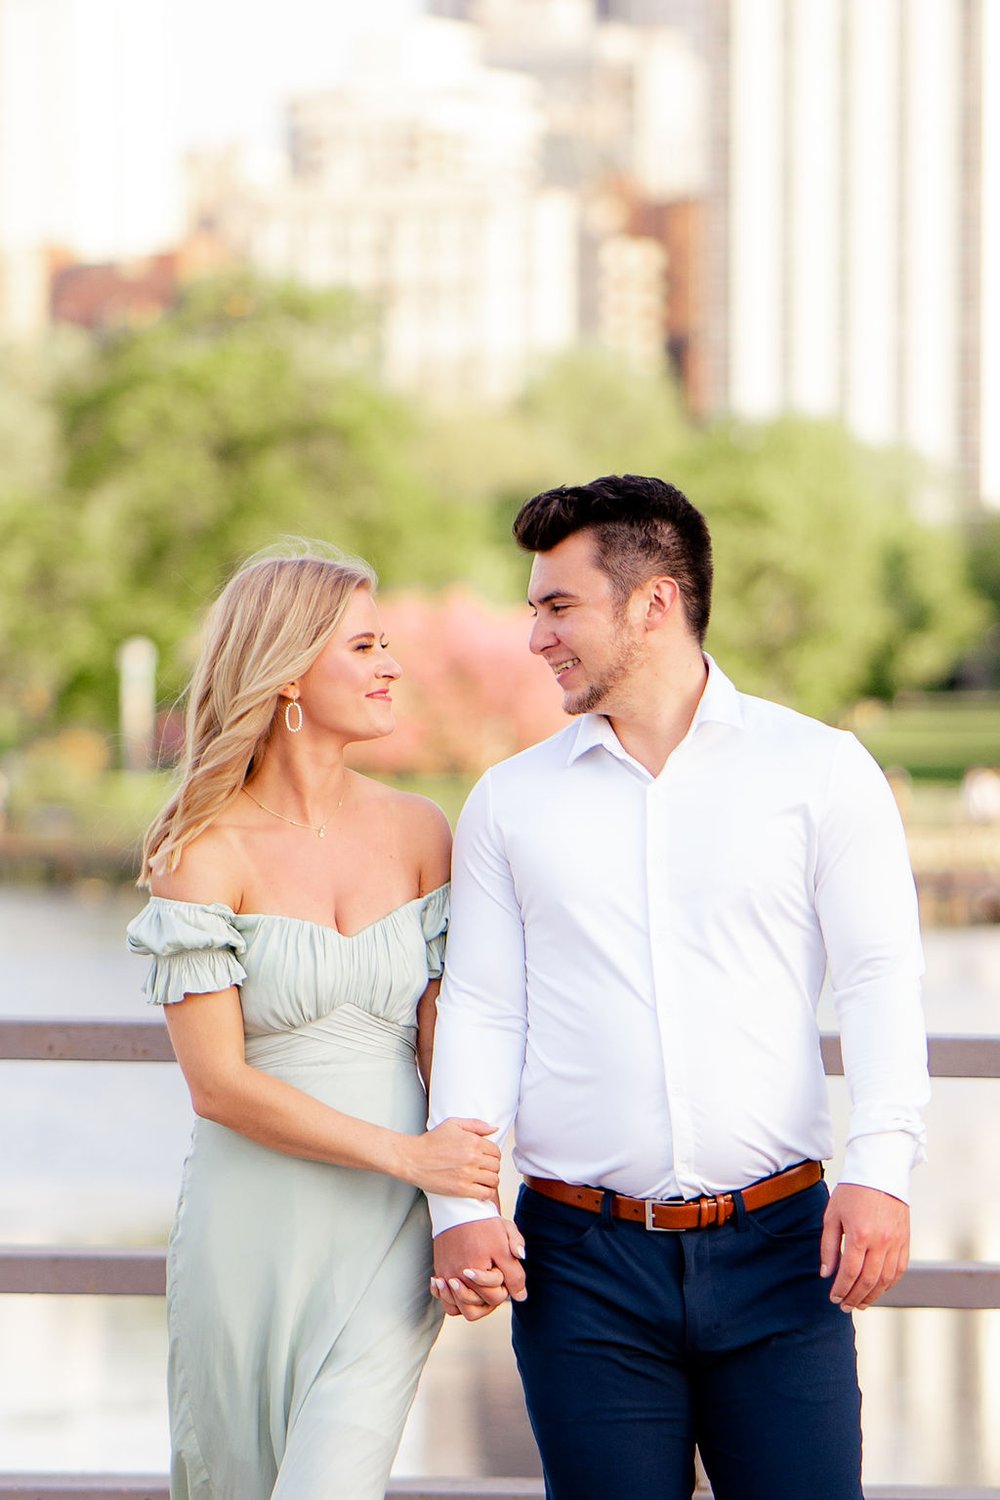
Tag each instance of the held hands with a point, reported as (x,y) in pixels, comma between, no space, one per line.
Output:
(866,1240)
(477,1266)
(455,1159)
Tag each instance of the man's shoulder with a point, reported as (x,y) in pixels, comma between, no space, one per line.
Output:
(511,783)
(803,751)
(548,754)
(788,725)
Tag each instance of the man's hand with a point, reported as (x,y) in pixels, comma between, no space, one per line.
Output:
(866,1240)
(477,1266)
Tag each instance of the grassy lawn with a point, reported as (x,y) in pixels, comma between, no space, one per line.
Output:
(934,739)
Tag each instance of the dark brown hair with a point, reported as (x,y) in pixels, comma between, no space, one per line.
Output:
(642,527)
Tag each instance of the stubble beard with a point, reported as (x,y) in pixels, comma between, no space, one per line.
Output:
(593,699)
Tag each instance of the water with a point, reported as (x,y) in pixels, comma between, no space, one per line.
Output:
(93,1152)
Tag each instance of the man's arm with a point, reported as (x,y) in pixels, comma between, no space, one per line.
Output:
(866,903)
(479,1046)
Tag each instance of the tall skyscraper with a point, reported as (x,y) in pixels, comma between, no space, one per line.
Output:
(856,223)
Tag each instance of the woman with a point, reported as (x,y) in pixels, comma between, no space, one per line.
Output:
(296,925)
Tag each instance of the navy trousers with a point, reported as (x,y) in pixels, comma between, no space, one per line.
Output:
(633,1347)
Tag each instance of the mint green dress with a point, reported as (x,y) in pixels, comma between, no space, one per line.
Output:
(297,1293)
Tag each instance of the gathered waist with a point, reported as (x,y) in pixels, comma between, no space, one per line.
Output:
(346,1030)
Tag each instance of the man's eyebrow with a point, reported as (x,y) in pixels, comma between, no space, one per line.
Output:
(550,596)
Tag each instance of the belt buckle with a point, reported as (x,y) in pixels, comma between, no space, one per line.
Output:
(651,1204)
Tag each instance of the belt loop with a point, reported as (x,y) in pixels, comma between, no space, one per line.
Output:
(739,1211)
(607,1208)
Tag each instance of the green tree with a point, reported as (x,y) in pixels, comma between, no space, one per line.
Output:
(248,413)
(138,472)
(827,587)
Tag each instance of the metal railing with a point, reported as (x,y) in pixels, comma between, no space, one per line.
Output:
(141,1272)
(153,1487)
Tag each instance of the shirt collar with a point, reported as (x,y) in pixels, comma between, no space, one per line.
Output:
(718,704)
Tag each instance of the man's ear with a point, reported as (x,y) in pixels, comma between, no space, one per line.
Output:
(662,598)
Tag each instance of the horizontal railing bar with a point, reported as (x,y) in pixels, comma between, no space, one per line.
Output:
(156,1487)
(57,1040)
(141,1273)
(84,1487)
(89,1272)
(953,1284)
(948,1056)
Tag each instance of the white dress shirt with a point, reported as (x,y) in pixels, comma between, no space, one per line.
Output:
(634,961)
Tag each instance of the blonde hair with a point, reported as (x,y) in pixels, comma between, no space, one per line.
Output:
(267,627)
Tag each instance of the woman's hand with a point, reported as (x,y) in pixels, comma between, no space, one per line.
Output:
(455,1159)
(476,1292)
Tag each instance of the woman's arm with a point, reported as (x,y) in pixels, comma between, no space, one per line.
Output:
(426,1018)
(430,841)
(207,1036)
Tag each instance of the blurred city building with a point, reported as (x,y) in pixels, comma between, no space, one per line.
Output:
(71,71)
(103,295)
(855,224)
(795,203)
(623,91)
(418,183)
(481,180)
(500,179)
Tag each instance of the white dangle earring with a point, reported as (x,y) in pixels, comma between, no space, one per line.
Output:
(293,703)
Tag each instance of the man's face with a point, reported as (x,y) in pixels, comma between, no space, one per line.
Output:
(587,637)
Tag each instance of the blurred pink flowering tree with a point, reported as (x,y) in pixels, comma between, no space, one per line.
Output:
(471,692)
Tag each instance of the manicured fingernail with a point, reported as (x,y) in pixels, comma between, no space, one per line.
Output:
(519,1251)
(472,1275)
(824,1270)
(455,1284)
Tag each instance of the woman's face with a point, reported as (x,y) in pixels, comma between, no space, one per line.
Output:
(346,691)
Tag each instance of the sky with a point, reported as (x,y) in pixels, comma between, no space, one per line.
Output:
(236,61)
(100,100)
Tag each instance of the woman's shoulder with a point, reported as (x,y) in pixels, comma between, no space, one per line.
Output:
(422,827)
(208,871)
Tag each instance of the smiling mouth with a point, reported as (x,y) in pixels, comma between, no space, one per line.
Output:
(560,668)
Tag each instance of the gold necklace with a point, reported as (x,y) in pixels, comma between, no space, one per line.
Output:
(318,829)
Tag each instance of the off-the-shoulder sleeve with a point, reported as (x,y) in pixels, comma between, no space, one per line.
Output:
(195,949)
(434,921)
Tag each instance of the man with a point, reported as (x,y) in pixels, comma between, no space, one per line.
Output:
(644,909)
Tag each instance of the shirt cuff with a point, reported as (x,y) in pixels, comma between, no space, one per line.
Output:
(882,1161)
(448,1213)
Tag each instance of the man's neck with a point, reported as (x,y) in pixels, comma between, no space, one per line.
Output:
(652,727)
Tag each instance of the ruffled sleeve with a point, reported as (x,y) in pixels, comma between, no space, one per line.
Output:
(195,949)
(434,921)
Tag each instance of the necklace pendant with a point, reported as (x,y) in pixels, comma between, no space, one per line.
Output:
(322,831)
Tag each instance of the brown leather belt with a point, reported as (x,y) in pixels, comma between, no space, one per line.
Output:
(694,1213)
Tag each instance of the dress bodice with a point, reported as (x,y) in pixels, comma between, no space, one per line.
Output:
(292,972)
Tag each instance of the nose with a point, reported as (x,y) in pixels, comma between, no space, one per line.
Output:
(542,637)
(389,667)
